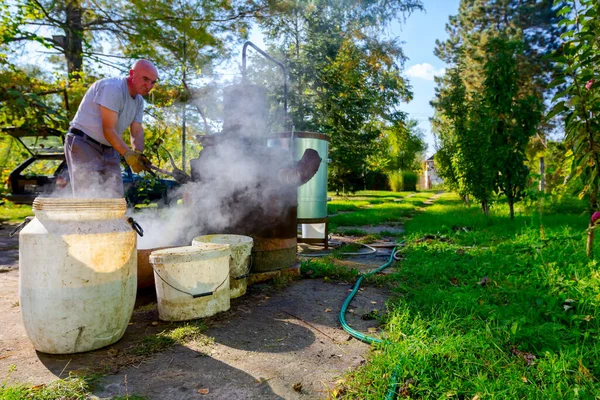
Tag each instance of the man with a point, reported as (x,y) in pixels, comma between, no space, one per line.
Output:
(94,145)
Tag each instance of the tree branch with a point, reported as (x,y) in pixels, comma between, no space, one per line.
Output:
(48,17)
(103,21)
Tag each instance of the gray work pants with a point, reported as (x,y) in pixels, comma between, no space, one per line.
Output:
(94,170)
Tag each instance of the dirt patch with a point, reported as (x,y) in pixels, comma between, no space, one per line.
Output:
(9,248)
(273,343)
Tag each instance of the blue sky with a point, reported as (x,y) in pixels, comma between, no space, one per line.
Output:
(419,34)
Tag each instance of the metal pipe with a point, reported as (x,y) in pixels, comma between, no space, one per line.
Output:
(268,57)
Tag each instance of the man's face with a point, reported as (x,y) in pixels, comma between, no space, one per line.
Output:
(143,79)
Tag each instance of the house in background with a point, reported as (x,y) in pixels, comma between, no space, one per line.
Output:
(430,176)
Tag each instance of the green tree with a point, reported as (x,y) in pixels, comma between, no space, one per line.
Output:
(579,102)
(512,117)
(345,76)
(465,146)
(403,146)
(533,22)
(79,29)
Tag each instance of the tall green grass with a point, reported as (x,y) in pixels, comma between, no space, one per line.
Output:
(490,307)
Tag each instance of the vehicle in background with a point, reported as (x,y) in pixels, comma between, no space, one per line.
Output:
(39,174)
(45,172)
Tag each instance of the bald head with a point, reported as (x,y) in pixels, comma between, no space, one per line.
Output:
(142,65)
(142,77)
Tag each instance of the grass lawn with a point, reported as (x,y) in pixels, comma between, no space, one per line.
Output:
(14,213)
(373,208)
(489,307)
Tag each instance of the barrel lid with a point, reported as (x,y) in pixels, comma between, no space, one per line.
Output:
(201,251)
(78,204)
(224,239)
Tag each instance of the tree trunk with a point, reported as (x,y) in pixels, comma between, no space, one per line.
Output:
(467,200)
(74,37)
(542,175)
(589,248)
(511,207)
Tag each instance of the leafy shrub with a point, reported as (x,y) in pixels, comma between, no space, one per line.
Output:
(409,181)
(395,181)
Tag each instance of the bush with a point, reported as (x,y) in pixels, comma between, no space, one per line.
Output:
(395,181)
(402,181)
(409,181)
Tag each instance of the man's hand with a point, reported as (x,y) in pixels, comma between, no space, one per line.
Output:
(137,161)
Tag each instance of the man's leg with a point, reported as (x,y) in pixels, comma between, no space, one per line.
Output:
(113,182)
(85,165)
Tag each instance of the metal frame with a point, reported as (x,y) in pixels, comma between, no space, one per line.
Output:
(325,240)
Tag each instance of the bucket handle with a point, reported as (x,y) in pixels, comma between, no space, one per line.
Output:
(136,227)
(247,274)
(20,227)
(195,296)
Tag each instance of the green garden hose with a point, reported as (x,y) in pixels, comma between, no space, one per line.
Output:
(391,394)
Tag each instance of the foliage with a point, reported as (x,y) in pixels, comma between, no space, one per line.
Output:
(512,117)
(532,22)
(579,102)
(498,308)
(557,168)
(181,334)
(11,155)
(326,268)
(345,77)
(409,181)
(401,148)
(28,100)
(484,136)
(401,181)
(137,29)
(464,160)
(395,180)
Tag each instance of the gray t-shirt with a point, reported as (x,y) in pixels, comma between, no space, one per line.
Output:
(113,94)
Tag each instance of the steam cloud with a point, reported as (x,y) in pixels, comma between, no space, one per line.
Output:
(238,185)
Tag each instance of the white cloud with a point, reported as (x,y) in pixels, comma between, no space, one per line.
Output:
(424,71)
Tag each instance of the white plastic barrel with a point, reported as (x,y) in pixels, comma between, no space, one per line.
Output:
(239,263)
(77,274)
(192,281)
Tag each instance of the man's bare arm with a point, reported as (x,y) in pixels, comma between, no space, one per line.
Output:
(109,127)
(137,136)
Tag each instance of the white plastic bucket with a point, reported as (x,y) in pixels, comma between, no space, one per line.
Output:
(77,274)
(239,263)
(192,281)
